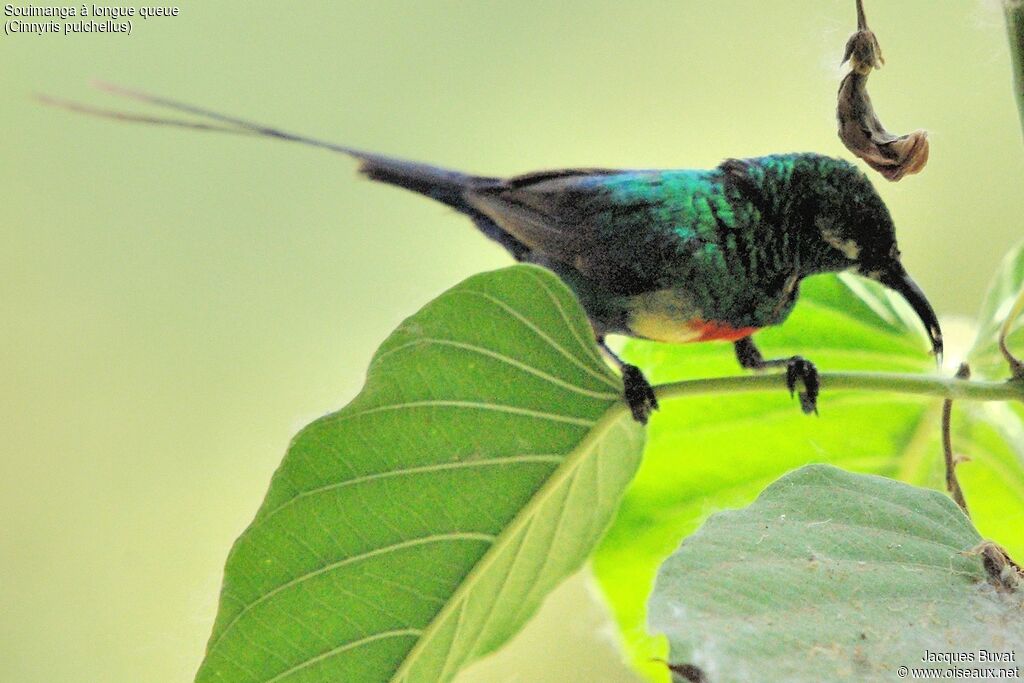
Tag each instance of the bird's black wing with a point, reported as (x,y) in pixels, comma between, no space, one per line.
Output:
(570,217)
(549,211)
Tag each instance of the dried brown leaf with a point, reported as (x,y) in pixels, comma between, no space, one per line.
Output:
(860,129)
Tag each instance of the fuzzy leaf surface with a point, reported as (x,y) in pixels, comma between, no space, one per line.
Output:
(835,576)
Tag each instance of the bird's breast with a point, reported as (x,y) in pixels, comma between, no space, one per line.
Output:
(671,316)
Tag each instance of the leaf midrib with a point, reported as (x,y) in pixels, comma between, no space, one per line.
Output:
(526,514)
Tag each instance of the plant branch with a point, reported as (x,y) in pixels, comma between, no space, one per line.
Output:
(899,383)
(952,483)
(1014,10)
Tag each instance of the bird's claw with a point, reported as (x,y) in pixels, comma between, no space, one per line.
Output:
(639,393)
(799,369)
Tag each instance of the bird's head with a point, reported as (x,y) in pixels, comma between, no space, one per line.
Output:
(854,231)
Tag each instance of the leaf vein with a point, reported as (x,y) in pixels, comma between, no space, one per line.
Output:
(398,633)
(352,559)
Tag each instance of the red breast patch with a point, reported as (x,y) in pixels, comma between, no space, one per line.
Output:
(712,330)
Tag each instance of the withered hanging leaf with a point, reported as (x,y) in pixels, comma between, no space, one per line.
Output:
(894,156)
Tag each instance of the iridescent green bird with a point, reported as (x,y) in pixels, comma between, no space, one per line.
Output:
(667,255)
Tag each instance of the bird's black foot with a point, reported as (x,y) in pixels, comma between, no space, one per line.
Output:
(639,393)
(799,369)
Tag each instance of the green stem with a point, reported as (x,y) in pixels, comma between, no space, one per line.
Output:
(919,385)
(1014,10)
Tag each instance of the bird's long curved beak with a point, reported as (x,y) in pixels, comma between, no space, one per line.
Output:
(895,277)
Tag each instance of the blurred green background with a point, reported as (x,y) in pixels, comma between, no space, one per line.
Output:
(176,305)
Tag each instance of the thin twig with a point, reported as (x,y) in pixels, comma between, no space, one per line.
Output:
(897,383)
(952,483)
(862,22)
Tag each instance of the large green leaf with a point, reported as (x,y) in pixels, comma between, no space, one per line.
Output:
(833,576)
(419,527)
(709,453)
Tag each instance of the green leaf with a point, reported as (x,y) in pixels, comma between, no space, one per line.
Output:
(707,453)
(985,359)
(832,576)
(419,527)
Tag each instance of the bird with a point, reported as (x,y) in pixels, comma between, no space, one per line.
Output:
(678,255)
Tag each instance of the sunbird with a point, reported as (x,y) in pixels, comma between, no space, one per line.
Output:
(682,255)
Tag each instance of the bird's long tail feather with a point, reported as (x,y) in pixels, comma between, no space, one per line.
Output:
(440,184)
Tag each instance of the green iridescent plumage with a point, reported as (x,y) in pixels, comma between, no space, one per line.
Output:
(727,245)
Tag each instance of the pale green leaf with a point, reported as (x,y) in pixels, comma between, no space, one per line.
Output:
(833,576)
